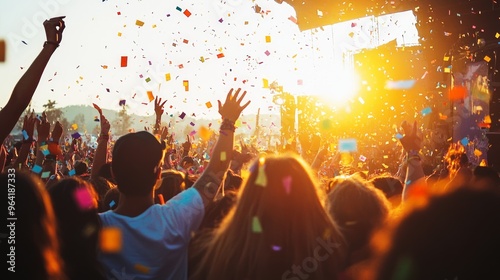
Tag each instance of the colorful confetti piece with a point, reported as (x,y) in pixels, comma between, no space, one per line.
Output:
(124,61)
(83,198)
(110,240)
(256,226)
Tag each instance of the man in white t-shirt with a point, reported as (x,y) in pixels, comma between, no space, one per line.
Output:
(155,238)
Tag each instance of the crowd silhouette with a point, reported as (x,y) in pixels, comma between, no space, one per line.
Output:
(143,207)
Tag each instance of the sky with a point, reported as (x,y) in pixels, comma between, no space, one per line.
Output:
(215,46)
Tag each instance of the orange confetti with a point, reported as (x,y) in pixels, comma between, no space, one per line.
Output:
(150,95)
(110,240)
(139,23)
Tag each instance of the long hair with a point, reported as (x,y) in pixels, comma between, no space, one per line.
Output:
(75,206)
(37,250)
(278,222)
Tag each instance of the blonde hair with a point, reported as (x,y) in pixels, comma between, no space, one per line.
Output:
(279,221)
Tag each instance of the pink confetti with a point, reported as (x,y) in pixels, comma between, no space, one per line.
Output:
(83,198)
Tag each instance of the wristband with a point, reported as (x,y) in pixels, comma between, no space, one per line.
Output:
(227,125)
(51,43)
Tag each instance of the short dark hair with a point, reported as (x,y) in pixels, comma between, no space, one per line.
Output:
(136,160)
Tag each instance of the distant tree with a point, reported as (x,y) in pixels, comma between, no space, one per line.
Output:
(123,122)
(79,120)
(53,114)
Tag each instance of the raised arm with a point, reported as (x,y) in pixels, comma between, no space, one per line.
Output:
(101,152)
(158,112)
(412,144)
(25,87)
(209,181)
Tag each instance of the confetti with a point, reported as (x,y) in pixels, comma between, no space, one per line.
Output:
(487,58)
(223,156)
(150,95)
(178,9)
(25,135)
(148,79)
(256,226)
(267,53)
(426,111)
(187,13)
(76,135)
(208,104)
(220,55)
(464,141)
(45,175)
(124,61)
(37,169)
(287,184)
(276,248)
(362,158)
(112,203)
(205,133)
(182,115)
(45,150)
(139,23)
(122,102)
(74,126)
(268,39)
(261,179)
(457,93)
(110,240)
(72,172)
(348,145)
(167,77)
(83,198)
(265,83)
(477,153)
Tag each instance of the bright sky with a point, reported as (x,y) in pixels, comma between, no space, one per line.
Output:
(76,74)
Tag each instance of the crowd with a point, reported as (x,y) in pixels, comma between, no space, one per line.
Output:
(143,207)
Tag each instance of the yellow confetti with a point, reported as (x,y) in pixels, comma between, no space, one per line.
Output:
(487,58)
(497,35)
(167,77)
(110,240)
(154,26)
(223,156)
(265,83)
(202,59)
(74,126)
(119,34)
(205,133)
(139,23)
(477,153)
(446,58)
(268,39)
(208,104)
(385,165)
(447,70)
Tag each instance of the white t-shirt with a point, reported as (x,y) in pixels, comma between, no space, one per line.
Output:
(155,243)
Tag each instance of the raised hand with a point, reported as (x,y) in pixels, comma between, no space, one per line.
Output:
(411,141)
(43,128)
(231,109)
(54,28)
(159,106)
(57,132)
(29,125)
(105,125)
(164,133)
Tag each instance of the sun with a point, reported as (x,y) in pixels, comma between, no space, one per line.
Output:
(340,88)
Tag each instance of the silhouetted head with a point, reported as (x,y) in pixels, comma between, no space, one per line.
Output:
(136,165)
(454,237)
